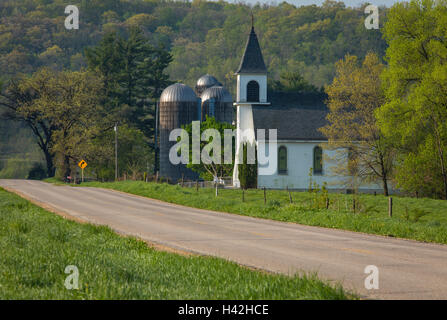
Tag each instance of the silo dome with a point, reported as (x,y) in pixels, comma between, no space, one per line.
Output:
(217,102)
(204,82)
(219,93)
(178,92)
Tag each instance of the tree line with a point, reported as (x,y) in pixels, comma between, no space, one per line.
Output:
(392,116)
(203,36)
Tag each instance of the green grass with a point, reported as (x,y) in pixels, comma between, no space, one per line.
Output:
(419,219)
(37,245)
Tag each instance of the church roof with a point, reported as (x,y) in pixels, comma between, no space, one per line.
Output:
(252,60)
(295,116)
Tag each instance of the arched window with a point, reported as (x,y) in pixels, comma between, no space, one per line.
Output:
(282,160)
(252,91)
(318,160)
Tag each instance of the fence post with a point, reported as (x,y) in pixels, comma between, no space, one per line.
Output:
(265,197)
(353,204)
(243,196)
(182,180)
(156,177)
(197,185)
(327,203)
(290,196)
(390,207)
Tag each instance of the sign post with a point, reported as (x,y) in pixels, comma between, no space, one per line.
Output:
(116,151)
(82,164)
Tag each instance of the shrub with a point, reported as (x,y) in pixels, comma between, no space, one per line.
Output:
(37,172)
(248,173)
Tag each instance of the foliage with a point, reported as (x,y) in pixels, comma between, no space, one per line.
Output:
(17,142)
(217,168)
(290,81)
(248,169)
(134,155)
(37,172)
(134,76)
(204,36)
(15,168)
(415,114)
(354,95)
(70,113)
(61,108)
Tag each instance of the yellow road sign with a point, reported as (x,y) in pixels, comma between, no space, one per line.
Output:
(82,164)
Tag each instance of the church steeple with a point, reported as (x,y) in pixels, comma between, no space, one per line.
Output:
(252,60)
(252,73)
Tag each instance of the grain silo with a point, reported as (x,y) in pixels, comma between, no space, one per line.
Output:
(206,81)
(178,106)
(217,102)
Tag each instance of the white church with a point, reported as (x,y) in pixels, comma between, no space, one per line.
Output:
(299,146)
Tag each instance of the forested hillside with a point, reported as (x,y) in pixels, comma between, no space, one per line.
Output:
(203,36)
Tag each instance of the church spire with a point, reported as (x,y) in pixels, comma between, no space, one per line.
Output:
(252,60)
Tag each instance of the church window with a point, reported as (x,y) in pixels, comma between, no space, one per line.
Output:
(252,91)
(318,160)
(282,160)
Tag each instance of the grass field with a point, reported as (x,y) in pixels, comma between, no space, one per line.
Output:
(36,246)
(419,219)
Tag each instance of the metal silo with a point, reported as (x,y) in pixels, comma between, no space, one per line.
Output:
(217,102)
(206,81)
(177,107)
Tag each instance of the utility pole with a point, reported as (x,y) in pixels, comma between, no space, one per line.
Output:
(116,151)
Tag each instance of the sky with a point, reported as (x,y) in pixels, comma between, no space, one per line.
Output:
(349,3)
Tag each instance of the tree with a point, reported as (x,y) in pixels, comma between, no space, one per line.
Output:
(62,109)
(248,172)
(290,81)
(353,97)
(106,59)
(213,169)
(134,155)
(415,114)
(72,104)
(134,77)
(17,98)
